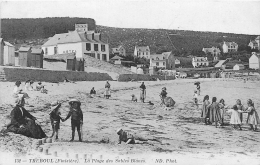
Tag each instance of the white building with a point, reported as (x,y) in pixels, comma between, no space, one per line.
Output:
(142,51)
(255,44)
(120,50)
(200,61)
(229,47)
(9,56)
(215,52)
(177,61)
(81,41)
(239,67)
(254,61)
(165,60)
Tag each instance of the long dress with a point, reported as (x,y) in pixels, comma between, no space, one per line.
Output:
(214,113)
(20,116)
(242,108)
(204,112)
(222,111)
(235,116)
(252,117)
(107,91)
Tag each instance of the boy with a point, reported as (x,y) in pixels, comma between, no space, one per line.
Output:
(55,119)
(76,117)
(195,97)
(134,99)
(125,137)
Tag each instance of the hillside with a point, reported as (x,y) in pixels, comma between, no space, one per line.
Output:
(36,31)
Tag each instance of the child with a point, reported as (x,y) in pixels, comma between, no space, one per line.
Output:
(76,117)
(55,119)
(221,105)
(204,112)
(163,95)
(195,98)
(39,86)
(92,91)
(43,90)
(235,117)
(253,118)
(198,88)
(134,99)
(125,137)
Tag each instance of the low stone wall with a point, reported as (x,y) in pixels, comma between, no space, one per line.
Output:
(23,74)
(142,77)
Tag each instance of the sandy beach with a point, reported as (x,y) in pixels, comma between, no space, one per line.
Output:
(177,134)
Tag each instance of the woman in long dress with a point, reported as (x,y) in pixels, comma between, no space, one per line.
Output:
(22,122)
(142,92)
(214,112)
(241,108)
(107,90)
(204,112)
(252,118)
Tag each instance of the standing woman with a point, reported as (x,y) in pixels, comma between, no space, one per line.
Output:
(142,92)
(215,112)
(252,118)
(221,105)
(204,112)
(107,92)
(163,95)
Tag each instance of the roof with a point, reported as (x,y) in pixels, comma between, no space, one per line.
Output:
(1,40)
(117,58)
(166,54)
(258,38)
(231,43)
(8,44)
(211,50)
(220,63)
(70,37)
(37,51)
(240,65)
(63,57)
(117,48)
(142,48)
(24,49)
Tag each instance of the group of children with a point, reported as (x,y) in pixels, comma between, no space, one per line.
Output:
(213,113)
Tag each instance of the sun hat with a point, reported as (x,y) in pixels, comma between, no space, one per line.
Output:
(119,130)
(164,88)
(74,101)
(55,106)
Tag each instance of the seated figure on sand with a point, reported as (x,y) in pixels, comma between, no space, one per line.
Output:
(134,99)
(92,92)
(22,122)
(39,86)
(128,138)
(28,85)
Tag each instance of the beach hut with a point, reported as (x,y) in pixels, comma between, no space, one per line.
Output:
(2,44)
(37,58)
(9,56)
(16,58)
(238,67)
(25,55)
(71,62)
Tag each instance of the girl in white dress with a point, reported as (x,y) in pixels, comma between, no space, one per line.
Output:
(235,117)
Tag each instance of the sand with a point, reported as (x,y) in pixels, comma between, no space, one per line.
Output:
(177,134)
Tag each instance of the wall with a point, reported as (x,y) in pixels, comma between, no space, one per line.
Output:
(50,50)
(254,62)
(84,50)
(141,77)
(62,48)
(23,74)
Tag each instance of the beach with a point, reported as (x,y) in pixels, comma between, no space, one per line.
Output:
(178,133)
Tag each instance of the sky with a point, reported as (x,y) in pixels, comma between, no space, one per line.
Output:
(232,16)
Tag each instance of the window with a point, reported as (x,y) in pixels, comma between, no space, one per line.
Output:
(46,51)
(152,58)
(96,47)
(157,58)
(157,63)
(88,46)
(66,51)
(164,58)
(98,56)
(103,48)
(55,50)
(163,63)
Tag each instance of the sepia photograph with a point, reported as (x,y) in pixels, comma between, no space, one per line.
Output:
(130,82)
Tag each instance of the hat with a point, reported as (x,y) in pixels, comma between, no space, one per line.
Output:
(132,95)
(74,100)
(17,82)
(164,88)
(39,83)
(23,95)
(119,130)
(55,106)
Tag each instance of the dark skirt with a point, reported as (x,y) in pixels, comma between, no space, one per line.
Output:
(31,129)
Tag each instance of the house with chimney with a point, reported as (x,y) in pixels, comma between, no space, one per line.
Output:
(215,52)
(200,62)
(165,60)
(81,41)
(120,50)
(255,44)
(229,47)
(142,51)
